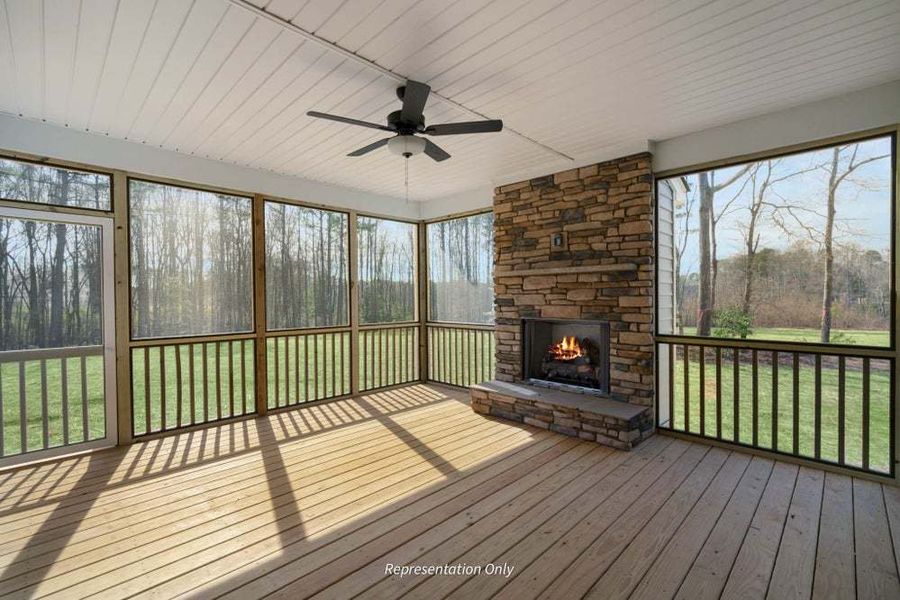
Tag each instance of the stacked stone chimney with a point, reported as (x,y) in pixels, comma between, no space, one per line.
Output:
(579,245)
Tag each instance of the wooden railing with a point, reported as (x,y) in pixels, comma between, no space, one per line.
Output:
(460,355)
(179,384)
(833,405)
(388,355)
(51,397)
(307,366)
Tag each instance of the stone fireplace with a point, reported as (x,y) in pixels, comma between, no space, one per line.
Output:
(566,353)
(575,250)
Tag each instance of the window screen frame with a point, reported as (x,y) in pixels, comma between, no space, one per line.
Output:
(63,166)
(427,269)
(253,278)
(348,264)
(416,268)
(890,133)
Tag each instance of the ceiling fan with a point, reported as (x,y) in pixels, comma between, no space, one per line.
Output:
(408,121)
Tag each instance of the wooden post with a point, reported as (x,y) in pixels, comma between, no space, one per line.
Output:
(422,298)
(261,383)
(895,307)
(352,250)
(122,308)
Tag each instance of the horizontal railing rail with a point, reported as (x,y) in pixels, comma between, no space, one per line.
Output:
(460,354)
(51,397)
(388,355)
(833,406)
(192,382)
(307,366)
(780,345)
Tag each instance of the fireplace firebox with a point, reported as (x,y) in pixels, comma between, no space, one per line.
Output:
(567,352)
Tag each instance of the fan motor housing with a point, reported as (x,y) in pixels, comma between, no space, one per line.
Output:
(394,121)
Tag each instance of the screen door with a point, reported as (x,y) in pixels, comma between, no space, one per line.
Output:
(57,353)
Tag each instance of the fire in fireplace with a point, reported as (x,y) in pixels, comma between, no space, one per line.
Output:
(570,352)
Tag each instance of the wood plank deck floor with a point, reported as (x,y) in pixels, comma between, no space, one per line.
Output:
(316,502)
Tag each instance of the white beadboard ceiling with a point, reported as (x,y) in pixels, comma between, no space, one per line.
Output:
(593,79)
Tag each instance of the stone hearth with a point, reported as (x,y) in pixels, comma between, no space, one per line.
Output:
(609,422)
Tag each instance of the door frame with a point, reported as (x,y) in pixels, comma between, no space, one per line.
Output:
(108,328)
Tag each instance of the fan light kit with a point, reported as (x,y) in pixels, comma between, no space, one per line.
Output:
(408,121)
(406,145)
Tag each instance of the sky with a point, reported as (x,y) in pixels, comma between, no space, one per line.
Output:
(863,204)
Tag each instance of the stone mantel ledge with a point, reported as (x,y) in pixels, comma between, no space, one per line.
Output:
(613,268)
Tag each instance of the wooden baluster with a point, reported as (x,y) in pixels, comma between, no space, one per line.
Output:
(231,377)
(702,390)
(244,377)
(316,373)
(686,350)
(287,370)
(306,368)
(64,393)
(842,408)
(147,421)
(796,398)
(85,425)
(23,412)
(754,398)
(179,417)
(364,361)
(204,366)
(45,408)
(671,386)
(333,366)
(297,368)
(192,383)
(865,412)
(277,382)
(817,428)
(218,380)
(162,387)
(719,393)
(736,361)
(775,400)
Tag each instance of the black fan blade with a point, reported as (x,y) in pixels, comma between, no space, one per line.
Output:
(370,147)
(348,120)
(467,127)
(434,151)
(414,97)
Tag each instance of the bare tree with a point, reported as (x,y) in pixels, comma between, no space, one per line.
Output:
(707,190)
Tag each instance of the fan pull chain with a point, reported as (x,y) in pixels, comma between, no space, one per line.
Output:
(406,177)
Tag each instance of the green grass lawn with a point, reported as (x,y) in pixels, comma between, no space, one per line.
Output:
(34,411)
(879,406)
(460,357)
(858,337)
(228,388)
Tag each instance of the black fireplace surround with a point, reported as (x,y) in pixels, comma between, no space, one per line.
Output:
(566,351)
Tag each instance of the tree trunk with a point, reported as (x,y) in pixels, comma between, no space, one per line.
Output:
(828,244)
(57,272)
(705,306)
